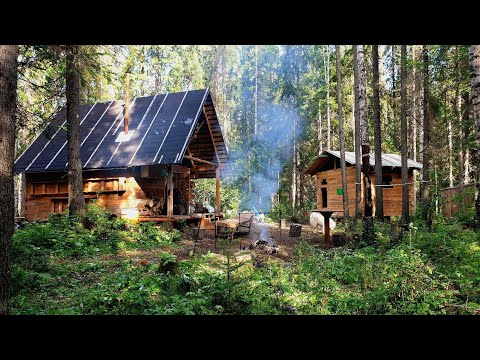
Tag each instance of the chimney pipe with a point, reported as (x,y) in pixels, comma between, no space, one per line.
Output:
(127,96)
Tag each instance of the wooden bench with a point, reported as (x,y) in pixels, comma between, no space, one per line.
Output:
(229,227)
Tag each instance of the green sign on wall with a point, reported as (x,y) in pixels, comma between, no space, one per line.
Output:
(339,191)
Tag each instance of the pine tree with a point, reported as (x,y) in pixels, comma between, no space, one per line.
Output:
(8,104)
(76,200)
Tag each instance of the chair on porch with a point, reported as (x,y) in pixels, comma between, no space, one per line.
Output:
(229,227)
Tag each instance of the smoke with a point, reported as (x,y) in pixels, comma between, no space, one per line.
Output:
(258,160)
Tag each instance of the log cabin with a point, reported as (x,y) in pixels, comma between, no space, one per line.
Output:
(143,169)
(328,172)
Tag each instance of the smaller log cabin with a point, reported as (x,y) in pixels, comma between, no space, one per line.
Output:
(143,169)
(328,172)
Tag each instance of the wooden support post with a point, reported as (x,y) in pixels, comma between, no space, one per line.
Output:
(191,157)
(23,193)
(326,224)
(217,188)
(189,194)
(170,191)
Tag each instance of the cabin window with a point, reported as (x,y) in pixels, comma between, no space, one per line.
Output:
(324,181)
(324,197)
(387,181)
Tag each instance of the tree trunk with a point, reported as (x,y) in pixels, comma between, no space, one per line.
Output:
(327,76)
(403,134)
(414,119)
(394,99)
(299,181)
(358,150)
(76,200)
(474,56)
(378,135)
(368,232)
(224,92)
(342,133)
(8,106)
(425,188)
(294,171)
(458,113)
(448,121)
(466,135)
(255,123)
(320,146)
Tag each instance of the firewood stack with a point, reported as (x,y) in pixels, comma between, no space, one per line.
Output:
(154,206)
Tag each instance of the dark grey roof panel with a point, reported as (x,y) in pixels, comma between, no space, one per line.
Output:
(100,130)
(160,129)
(144,114)
(155,135)
(36,147)
(181,128)
(60,160)
(108,148)
(56,142)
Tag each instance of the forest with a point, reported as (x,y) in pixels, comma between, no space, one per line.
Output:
(279,107)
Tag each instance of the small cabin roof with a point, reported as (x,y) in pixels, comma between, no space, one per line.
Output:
(161,130)
(388,160)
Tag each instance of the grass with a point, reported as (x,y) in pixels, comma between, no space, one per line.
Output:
(114,267)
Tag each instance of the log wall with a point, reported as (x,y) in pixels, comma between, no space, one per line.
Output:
(113,190)
(392,196)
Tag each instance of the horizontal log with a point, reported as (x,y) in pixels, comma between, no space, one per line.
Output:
(204,168)
(200,160)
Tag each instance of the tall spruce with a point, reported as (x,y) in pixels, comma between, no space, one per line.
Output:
(358,150)
(8,105)
(378,135)
(368,231)
(425,185)
(342,132)
(474,57)
(403,136)
(76,200)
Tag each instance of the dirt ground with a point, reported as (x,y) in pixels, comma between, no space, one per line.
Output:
(238,247)
(242,240)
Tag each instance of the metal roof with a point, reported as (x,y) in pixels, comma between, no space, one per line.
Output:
(160,130)
(392,160)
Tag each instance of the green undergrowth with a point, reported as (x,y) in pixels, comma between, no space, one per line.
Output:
(63,267)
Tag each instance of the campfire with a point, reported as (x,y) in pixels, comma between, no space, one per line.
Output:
(265,244)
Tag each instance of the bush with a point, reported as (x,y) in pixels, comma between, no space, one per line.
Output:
(456,252)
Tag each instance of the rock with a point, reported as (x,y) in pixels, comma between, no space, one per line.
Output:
(289,308)
(295,230)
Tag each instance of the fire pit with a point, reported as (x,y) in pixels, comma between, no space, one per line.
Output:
(266,245)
